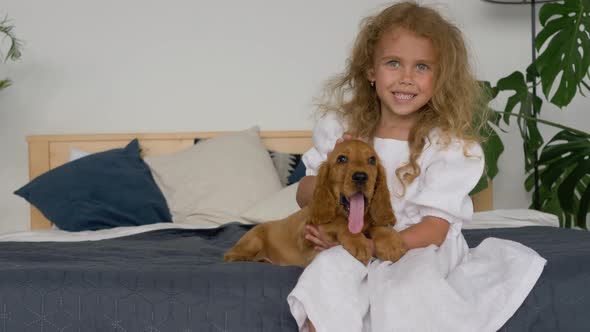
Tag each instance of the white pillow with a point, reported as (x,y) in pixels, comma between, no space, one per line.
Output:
(276,206)
(217,179)
(511,218)
(76,153)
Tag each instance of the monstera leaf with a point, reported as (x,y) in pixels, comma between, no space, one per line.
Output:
(530,106)
(564,170)
(492,149)
(565,33)
(492,144)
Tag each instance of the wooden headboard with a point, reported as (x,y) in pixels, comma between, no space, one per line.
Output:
(49,151)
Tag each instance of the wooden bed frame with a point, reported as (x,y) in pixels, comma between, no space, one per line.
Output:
(49,151)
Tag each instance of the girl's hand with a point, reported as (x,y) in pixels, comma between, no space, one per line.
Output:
(318,238)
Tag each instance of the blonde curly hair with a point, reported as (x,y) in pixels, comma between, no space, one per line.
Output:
(457,95)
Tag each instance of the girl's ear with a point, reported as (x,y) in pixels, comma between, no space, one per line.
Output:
(380,210)
(371,75)
(323,203)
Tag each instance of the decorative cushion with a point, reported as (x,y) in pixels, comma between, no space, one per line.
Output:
(297,174)
(275,206)
(216,179)
(285,164)
(102,190)
(75,154)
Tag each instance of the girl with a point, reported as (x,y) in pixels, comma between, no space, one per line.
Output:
(409,90)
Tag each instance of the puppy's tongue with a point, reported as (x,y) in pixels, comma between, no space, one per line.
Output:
(356,213)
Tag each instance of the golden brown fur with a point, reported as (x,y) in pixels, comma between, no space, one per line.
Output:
(282,242)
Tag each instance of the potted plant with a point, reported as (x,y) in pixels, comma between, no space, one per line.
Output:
(14,50)
(558,171)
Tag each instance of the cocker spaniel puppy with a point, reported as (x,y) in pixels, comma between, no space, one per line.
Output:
(351,203)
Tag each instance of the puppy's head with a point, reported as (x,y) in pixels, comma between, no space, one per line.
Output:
(352,182)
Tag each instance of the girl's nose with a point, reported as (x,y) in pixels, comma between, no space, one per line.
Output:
(407,77)
(406,81)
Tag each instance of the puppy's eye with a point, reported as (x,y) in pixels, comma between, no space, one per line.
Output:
(341,159)
(372,160)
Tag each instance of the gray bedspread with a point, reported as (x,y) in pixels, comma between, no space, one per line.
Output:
(175,280)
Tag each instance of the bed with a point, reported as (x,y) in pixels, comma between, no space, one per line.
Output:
(169,276)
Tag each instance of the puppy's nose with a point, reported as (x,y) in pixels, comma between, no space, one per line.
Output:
(360,177)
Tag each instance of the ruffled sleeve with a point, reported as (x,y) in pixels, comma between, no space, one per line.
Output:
(326,131)
(449,174)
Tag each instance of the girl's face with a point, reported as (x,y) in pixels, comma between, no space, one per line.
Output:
(403,72)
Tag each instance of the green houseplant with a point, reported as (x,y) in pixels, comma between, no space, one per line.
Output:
(558,171)
(14,50)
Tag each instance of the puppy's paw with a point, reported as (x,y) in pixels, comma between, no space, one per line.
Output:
(389,246)
(231,257)
(389,253)
(236,256)
(361,250)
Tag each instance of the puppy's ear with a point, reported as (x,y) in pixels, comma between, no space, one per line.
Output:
(323,203)
(380,209)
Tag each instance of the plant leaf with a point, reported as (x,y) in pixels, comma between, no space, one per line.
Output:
(513,82)
(4,84)
(564,171)
(584,203)
(530,106)
(491,143)
(567,189)
(492,148)
(14,52)
(564,33)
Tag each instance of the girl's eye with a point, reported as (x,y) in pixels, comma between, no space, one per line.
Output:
(422,67)
(341,159)
(393,63)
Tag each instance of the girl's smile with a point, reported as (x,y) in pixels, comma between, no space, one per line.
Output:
(402,98)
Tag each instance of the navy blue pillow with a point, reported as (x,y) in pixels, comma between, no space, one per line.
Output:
(102,190)
(297,174)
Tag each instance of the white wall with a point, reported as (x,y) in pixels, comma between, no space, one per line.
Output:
(179,65)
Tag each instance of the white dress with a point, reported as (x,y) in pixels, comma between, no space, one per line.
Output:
(447,288)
